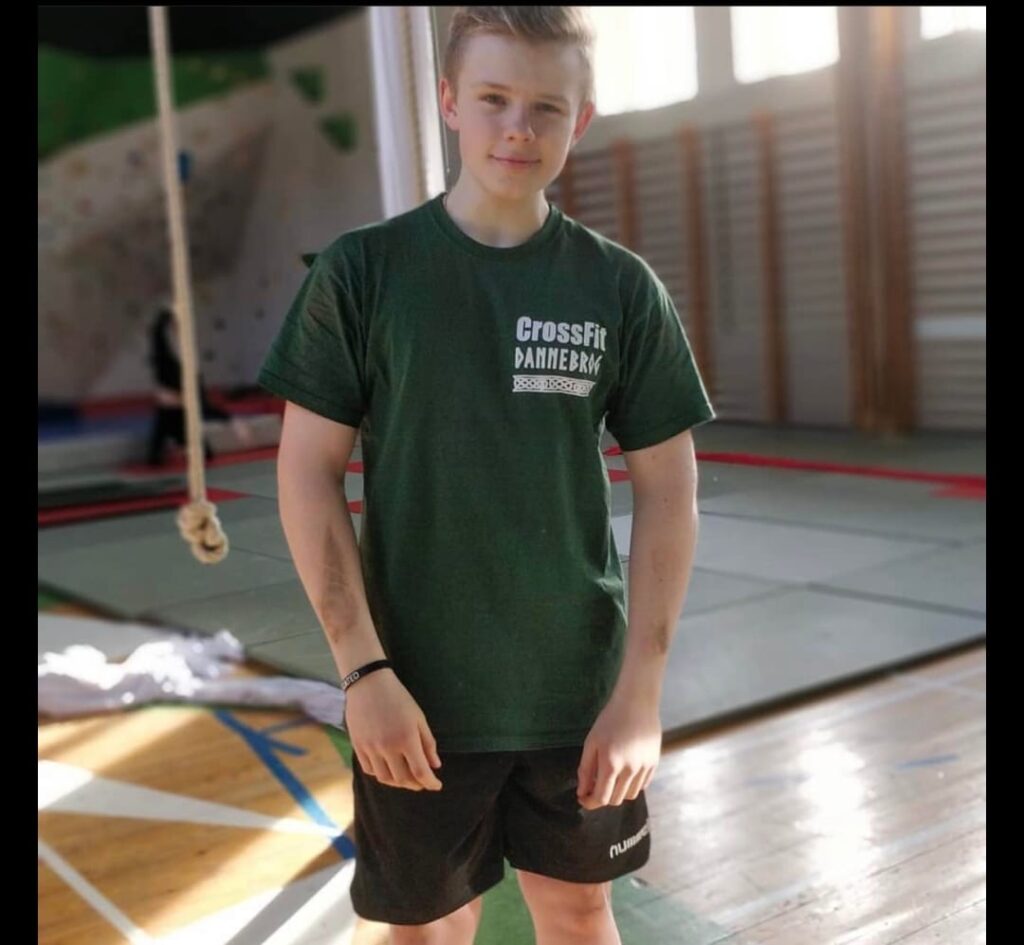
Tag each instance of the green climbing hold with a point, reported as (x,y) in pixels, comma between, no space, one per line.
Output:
(309,82)
(340,130)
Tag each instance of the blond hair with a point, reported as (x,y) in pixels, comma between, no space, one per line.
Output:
(569,25)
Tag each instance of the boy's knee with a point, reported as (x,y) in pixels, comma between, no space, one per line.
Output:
(575,909)
(456,928)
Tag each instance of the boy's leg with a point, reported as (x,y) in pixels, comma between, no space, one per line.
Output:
(176,425)
(158,433)
(457,928)
(175,428)
(569,913)
(425,858)
(566,856)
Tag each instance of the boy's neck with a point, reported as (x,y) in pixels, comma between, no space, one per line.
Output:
(501,225)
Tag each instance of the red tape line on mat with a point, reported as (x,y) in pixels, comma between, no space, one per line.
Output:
(965,483)
(64,514)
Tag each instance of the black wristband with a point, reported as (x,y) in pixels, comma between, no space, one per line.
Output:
(358,674)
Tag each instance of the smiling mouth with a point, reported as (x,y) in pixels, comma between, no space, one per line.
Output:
(513,160)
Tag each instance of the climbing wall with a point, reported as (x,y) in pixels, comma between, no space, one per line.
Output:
(277,159)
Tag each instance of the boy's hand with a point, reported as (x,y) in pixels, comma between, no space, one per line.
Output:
(389,733)
(620,754)
(242,431)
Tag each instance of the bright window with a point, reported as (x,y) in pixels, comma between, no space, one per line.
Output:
(644,57)
(938,21)
(769,41)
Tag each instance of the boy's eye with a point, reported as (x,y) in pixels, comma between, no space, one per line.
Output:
(487,98)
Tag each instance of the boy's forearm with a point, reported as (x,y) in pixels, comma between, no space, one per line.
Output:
(662,547)
(318,526)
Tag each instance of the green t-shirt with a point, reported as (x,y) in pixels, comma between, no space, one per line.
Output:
(482,379)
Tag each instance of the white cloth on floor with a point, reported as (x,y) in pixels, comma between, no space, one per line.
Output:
(80,680)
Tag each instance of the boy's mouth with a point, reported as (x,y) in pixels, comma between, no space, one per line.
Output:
(512,162)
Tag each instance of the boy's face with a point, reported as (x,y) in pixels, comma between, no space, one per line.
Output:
(519,121)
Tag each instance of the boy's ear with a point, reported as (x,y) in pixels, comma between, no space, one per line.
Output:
(583,122)
(449,108)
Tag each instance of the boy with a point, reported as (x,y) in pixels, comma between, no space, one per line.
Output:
(169,420)
(480,342)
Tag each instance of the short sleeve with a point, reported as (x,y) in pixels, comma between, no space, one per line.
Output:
(318,358)
(660,392)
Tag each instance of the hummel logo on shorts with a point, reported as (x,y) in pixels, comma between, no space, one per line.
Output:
(616,848)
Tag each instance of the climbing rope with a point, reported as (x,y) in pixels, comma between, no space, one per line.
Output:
(197,520)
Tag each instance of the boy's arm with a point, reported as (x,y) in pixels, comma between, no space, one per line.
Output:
(662,547)
(390,734)
(311,464)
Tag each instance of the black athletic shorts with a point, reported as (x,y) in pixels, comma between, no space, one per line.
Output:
(423,854)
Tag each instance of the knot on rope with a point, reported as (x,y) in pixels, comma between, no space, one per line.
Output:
(200,527)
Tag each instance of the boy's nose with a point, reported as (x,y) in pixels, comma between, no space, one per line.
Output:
(519,124)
